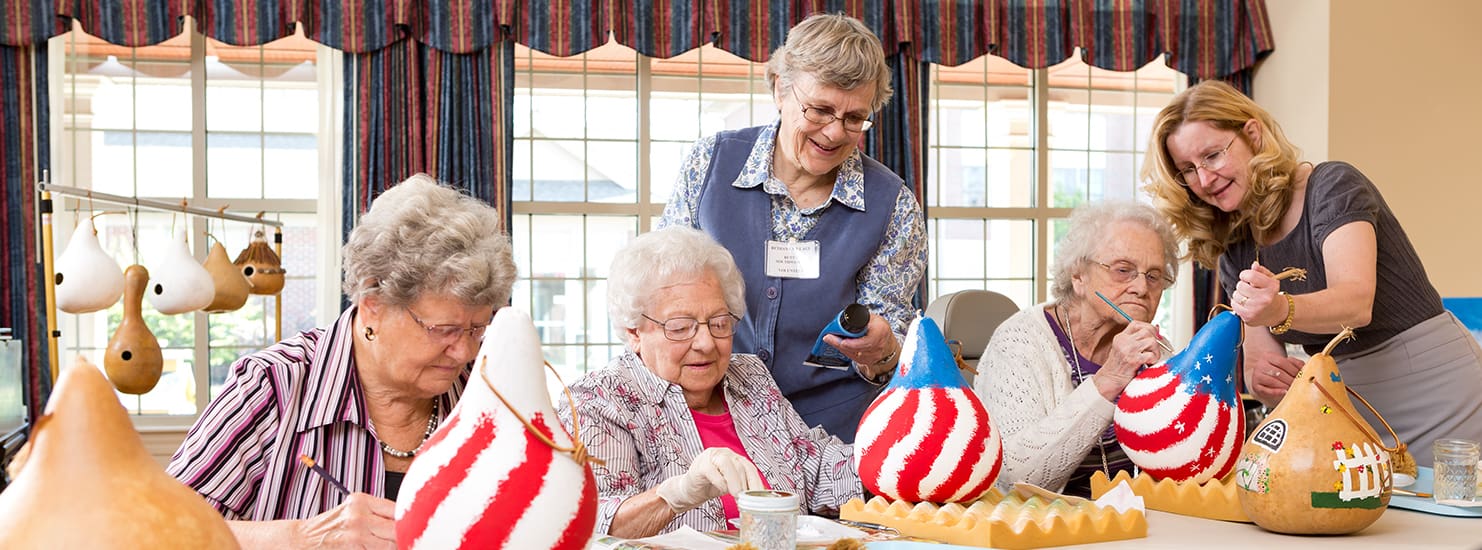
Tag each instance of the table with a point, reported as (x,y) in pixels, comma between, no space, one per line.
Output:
(1395,529)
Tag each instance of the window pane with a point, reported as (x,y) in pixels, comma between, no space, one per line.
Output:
(1010,178)
(666,157)
(234,165)
(559,172)
(612,171)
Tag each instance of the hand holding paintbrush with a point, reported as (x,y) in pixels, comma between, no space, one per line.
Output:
(316,468)
(1161,342)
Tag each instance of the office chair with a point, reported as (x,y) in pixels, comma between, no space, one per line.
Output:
(970,317)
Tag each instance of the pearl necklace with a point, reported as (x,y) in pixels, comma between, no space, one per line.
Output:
(1075,361)
(431,426)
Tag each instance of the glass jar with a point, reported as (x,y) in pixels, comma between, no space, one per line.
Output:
(769,519)
(1456,471)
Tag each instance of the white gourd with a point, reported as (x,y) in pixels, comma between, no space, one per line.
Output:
(177,283)
(87,278)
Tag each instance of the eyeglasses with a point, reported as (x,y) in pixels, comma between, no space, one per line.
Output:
(448,333)
(681,329)
(1123,273)
(819,115)
(1213,161)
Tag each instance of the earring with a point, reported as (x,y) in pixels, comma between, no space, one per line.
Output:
(370,334)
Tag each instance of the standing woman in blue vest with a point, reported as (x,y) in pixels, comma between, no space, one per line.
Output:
(813,224)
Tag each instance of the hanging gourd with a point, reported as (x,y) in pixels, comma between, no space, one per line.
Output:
(1182,419)
(88,482)
(231,287)
(927,437)
(133,359)
(486,478)
(87,279)
(261,266)
(179,284)
(1314,466)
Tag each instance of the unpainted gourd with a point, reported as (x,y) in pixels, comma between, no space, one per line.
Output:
(133,361)
(179,284)
(231,286)
(88,482)
(87,279)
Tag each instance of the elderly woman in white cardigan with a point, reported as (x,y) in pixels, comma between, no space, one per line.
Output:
(1052,373)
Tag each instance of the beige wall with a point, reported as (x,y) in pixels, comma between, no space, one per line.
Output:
(1397,96)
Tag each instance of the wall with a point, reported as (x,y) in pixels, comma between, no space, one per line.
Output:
(1400,84)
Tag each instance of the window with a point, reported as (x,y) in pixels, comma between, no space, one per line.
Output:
(598,138)
(1012,150)
(598,141)
(217,126)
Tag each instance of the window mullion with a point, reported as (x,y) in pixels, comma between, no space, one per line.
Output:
(646,211)
(201,356)
(1040,94)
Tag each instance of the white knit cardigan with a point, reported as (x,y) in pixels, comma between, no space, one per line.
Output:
(1048,426)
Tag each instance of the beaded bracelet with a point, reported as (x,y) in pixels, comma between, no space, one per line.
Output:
(1291,312)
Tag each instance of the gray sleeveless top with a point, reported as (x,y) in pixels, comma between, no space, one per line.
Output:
(1338,194)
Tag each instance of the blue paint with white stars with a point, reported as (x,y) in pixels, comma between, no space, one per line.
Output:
(1208,364)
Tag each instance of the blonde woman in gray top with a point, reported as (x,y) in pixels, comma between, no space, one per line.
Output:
(1223,172)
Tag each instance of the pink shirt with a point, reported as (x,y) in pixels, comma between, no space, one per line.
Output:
(716,430)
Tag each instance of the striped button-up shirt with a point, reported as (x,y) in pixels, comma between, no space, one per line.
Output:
(299,396)
(640,425)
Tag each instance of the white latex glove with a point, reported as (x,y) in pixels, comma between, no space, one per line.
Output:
(716,471)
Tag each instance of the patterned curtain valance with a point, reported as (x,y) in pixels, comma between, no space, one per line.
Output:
(1204,38)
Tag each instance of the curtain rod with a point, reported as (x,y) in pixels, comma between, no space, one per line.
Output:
(149,204)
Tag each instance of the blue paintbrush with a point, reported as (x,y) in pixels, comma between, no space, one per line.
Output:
(1124,315)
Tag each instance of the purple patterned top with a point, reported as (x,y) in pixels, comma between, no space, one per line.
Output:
(640,425)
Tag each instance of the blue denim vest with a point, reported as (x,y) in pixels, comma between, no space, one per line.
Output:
(784,315)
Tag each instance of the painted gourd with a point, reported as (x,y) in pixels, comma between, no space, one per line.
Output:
(1182,419)
(231,287)
(87,279)
(1314,466)
(261,267)
(927,437)
(88,482)
(179,284)
(133,359)
(482,480)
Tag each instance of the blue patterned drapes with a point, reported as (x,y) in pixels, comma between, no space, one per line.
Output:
(22,300)
(411,108)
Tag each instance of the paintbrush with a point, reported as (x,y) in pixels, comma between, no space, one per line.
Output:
(313,467)
(1124,315)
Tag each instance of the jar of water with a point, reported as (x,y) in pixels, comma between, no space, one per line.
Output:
(1456,471)
(769,519)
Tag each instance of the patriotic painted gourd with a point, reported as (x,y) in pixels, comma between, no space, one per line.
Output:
(1314,466)
(927,437)
(87,279)
(1182,419)
(483,480)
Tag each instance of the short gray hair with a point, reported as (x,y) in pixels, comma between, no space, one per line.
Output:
(662,258)
(420,236)
(1088,225)
(836,49)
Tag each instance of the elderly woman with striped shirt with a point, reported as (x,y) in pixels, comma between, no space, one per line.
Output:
(424,271)
(680,422)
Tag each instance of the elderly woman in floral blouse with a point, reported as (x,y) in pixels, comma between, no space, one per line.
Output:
(680,421)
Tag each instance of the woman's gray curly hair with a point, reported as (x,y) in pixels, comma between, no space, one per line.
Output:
(1088,226)
(838,51)
(663,258)
(420,237)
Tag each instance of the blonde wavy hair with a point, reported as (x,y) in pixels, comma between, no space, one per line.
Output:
(838,51)
(1208,230)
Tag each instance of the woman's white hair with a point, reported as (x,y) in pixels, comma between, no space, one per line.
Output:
(664,258)
(838,51)
(1089,224)
(420,237)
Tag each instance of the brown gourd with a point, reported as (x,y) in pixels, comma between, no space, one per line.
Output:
(88,482)
(133,361)
(1314,466)
(261,266)
(231,285)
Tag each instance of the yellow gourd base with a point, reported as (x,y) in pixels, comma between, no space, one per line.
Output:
(1215,499)
(1001,521)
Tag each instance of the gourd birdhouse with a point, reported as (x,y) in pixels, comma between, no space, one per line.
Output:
(487,480)
(261,266)
(177,283)
(87,279)
(231,287)
(927,437)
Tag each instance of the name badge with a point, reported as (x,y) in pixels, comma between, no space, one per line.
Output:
(792,259)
